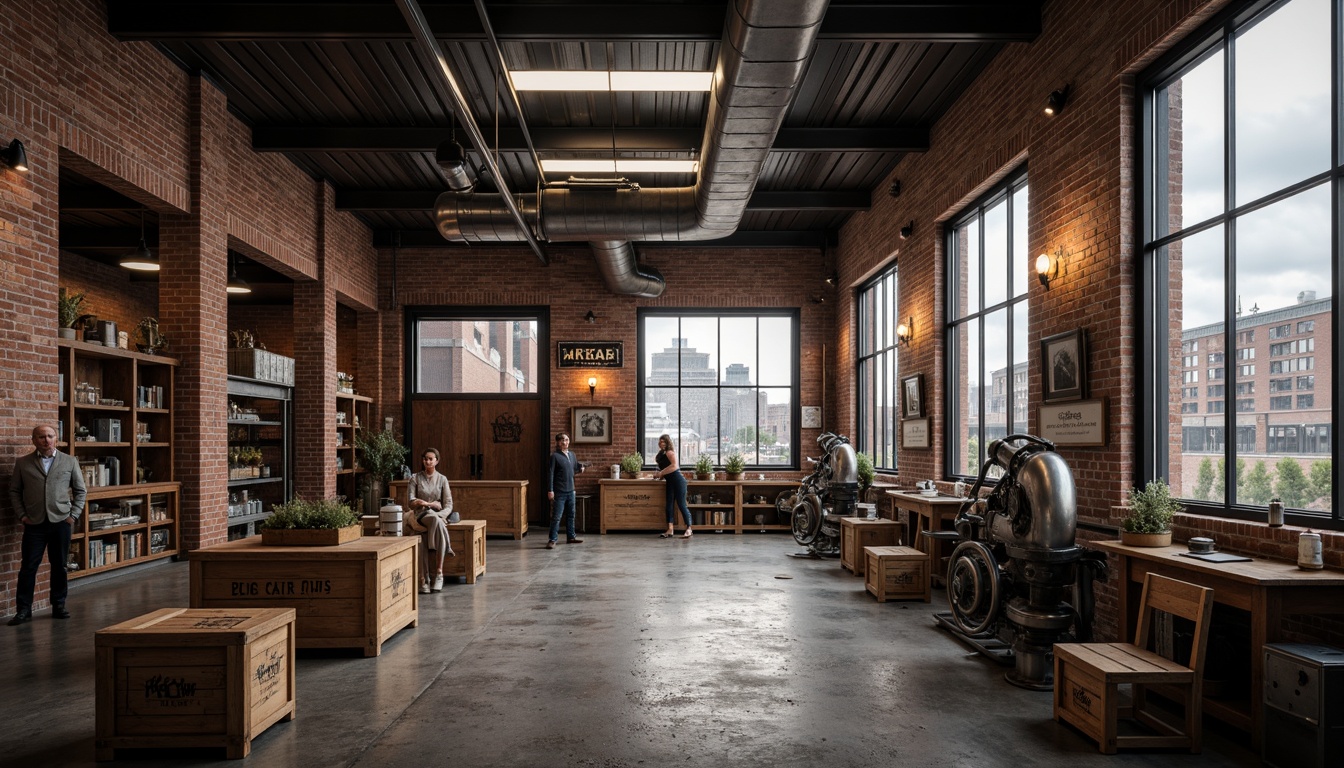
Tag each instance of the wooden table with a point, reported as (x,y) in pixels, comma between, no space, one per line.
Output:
(927,513)
(1269,590)
(355,595)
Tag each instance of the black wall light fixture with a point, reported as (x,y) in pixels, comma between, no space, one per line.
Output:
(590,317)
(15,156)
(908,230)
(236,284)
(895,189)
(141,259)
(1054,103)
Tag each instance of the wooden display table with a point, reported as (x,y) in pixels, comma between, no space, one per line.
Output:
(731,506)
(896,573)
(185,677)
(502,504)
(1269,590)
(356,595)
(859,532)
(927,513)
(468,540)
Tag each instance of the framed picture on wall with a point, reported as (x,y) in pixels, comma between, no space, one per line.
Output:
(591,425)
(912,396)
(1064,366)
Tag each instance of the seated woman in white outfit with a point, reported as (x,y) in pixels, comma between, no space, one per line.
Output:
(431,505)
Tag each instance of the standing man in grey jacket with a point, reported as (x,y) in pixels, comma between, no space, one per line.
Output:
(47,491)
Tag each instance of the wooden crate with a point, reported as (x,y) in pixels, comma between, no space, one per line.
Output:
(896,573)
(502,504)
(356,595)
(856,533)
(185,677)
(468,540)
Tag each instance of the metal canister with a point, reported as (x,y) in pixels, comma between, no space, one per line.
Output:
(389,519)
(1275,514)
(1309,551)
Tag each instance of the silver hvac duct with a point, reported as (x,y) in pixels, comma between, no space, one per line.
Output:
(766,44)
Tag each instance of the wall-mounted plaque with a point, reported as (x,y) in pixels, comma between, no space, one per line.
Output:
(590,354)
(1081,423)
(915,433)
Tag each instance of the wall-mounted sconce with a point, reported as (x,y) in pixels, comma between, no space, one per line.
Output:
(590,317)
(908,230)
(592,387)
(236,284)
(1047,266)
(905,330)
(833,279)
(1054,103)
(895,189)
(141,259)
(15,156)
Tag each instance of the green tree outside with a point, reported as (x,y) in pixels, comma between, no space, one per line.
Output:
(1219,486)
(1292,487)
(1322,480)
(1204,482)
(1259,486)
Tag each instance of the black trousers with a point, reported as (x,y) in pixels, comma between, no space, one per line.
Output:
(54,539)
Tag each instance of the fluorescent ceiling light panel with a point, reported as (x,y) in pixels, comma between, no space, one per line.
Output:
(620,166)
(579,80)
(661,81)
(578,166)
(566,80)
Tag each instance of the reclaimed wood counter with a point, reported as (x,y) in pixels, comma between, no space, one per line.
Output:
(356,595)
(502,504)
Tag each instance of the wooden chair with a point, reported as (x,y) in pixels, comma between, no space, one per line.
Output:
(1088,675)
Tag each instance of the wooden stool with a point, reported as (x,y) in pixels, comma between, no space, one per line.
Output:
(193,677)
(1088,675)
(896,573)
(859,532)
(468,540)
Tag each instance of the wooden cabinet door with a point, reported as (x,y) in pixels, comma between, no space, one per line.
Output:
(450,426)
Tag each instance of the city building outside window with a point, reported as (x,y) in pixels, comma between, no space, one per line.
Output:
(1238,244)
(720,381)
(878,390)
(986,334)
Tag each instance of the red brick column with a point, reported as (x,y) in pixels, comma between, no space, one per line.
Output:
(315,365)
(194,314)
(369,357)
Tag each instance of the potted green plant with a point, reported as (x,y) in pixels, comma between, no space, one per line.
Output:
(631,463)
(1151,510)
(704,467)
(734,465)
(67,312)
(303,523)
(865,470)
(382,454)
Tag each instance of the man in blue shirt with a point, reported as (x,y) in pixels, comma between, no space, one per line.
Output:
(560,489)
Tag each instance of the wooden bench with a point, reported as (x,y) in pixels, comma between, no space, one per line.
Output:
(190,677)
(1088,675)
(896,573)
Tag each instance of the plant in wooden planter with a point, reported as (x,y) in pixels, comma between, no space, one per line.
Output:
(382,454)
(67,312)
(303,523)
(1151,510)
(704,467)
(631,463)
(734,465)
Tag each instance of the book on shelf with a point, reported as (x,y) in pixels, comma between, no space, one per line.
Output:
(158,540)
(149,397)
(100,472)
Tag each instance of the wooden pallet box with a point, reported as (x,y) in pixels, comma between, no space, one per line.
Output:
(468,540)
(185,677)
(502,504)
(356,595)
(856,533)
(896,573)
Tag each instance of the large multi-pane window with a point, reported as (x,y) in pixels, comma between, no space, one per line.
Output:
(720,382)
(1242,180)
(475,355)
(879,411)
(987,324)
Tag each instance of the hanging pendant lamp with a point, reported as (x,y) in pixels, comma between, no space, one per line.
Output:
(141,259)
(236,284)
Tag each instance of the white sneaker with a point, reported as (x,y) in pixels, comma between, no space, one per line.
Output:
(424,587)
(438,584)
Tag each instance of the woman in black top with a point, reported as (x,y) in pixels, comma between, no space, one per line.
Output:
(670,470)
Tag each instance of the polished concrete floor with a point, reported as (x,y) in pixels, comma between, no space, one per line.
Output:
(624,651)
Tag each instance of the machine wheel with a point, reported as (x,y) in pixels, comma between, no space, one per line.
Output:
(973,587)
(784,504)
(806,519)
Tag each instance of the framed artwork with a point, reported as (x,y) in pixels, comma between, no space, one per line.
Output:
(912,396)
(915,433)
(1064,366)
(591,425)
(811,417)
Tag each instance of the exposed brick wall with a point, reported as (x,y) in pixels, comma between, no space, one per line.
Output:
(272,325)
(315,365)
(110,293)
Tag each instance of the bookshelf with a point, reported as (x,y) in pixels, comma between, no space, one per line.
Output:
(261,451)
(352,417)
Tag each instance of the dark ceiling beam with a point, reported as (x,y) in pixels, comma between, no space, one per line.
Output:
(423,200)
(106,237)
(951,21)
(80,199)
(428,238)
(312,138)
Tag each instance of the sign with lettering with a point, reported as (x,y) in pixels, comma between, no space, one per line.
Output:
(1080,423)
(590,354)
(915,433)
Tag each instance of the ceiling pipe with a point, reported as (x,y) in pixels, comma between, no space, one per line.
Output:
(766,45)
(428,46)
(508,83)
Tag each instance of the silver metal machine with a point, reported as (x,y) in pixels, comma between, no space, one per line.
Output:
(828,494)
(1303,706)
(1017,582)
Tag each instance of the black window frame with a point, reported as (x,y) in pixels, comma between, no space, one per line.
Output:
(871,435)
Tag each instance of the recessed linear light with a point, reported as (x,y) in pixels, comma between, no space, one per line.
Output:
(620,166)
(573,80)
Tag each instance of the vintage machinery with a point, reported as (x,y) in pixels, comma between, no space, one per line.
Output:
(1010,579)
(826,495)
